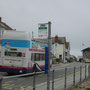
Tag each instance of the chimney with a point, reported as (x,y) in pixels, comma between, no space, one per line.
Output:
(56,38)
(0,19)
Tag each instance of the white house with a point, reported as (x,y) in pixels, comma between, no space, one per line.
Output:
(61,48)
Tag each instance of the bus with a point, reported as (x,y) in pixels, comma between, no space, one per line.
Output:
(20,54)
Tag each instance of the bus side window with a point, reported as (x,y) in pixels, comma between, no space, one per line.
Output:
(37,57)
(34,56)
(41,57)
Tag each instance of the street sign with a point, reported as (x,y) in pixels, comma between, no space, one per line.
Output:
(43,31)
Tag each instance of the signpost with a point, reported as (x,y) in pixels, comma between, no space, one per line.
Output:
(44,32)
(49,48)
(46,58)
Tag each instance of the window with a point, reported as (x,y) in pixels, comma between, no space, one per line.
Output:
(40,57)
(65,53)
(60,56)
(32,56)
(43,57)
(15,54)
(37,57)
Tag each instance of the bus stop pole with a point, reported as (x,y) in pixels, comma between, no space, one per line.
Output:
(46,57)
(48,62)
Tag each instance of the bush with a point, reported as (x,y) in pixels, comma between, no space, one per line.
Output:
(88,89)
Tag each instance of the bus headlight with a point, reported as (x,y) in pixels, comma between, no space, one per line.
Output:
(20,71)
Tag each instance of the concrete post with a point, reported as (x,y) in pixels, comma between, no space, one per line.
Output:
(80,74)
(53,79)
(85,72)
(34,81)
(89,70)
(1,83)
(65,78)
(74,76)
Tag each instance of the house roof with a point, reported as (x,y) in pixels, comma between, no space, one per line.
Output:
(61,40)
(4,25)
(86,49)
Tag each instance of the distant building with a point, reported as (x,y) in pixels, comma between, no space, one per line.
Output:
(79,58)
(86,54)
(73,58)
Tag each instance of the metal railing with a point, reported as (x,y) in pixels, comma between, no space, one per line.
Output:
(70,77)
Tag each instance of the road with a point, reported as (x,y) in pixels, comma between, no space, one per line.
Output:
(26,83)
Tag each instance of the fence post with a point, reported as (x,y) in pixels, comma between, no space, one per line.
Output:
(89,70)
(1,83)
(53,79)
(34,83)
(74,76)
(80,74)
(85,72)
(65,78)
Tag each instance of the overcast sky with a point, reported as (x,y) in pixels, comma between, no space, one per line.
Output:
(70,18)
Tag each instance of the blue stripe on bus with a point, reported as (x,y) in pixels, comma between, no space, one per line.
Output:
(16,43)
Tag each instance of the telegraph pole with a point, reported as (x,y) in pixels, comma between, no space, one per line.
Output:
(49,56)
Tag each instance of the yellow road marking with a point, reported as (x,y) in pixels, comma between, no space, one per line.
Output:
(8,87)
(29,87)
(22,88)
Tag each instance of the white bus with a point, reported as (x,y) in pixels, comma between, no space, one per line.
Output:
(19,54)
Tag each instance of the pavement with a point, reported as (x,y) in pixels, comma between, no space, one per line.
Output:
(61,64)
